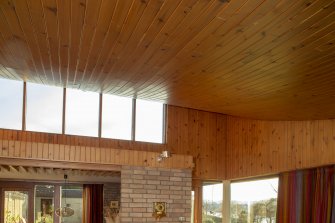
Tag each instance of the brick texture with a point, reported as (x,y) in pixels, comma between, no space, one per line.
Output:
(111,193)
(141,186)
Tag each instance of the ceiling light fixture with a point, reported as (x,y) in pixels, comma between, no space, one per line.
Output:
(65,211)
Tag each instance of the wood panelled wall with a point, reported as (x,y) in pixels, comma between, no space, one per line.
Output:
(268,147)
(202,135)
(189,132)
(86,155)
(72,140)
(223,147)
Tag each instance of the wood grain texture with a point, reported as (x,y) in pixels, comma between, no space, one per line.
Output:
(248,58)
(142,158)
(256,148)
(222,147)
(201,135)
(28,169)
(189,132)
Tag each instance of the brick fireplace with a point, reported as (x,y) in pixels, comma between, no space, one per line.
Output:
(141,186)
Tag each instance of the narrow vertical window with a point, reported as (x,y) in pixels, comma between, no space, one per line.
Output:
(116,117)
(44,108)
(11,100)
(82,113)
(149,121)
(212,196)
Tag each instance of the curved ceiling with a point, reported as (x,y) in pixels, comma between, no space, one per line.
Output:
(261,59)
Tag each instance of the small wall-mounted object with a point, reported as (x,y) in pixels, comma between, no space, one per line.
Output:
(114,204)
(182,219)
(159,210)
(111,212)
(164,155)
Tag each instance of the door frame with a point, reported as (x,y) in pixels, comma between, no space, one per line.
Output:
(30,188)
(18,186)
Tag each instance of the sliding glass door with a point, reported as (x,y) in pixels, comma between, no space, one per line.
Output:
(16,205)
(49,198)
(37,202)
(44,204)
(72,196)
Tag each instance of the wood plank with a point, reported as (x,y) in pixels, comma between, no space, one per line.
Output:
(57,164)
(76,27)
(174,51)
(92,10)
(283,146)
(50,12)
(122,157)
(64,33)
(36,14)
(10,19)
(56,153)
(45,151)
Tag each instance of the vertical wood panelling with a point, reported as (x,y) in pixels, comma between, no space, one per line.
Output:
(189,132)
(201,135)
(77,140)
(222,147)
(267,147)
(47,152)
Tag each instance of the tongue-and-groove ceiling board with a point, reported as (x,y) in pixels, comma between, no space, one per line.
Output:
(267,59)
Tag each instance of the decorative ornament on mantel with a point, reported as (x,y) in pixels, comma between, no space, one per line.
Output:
(159,210)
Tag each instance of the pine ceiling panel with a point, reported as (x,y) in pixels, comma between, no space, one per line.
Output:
(268,59)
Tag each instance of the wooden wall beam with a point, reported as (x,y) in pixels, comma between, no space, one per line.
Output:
(35,163)
(81,157)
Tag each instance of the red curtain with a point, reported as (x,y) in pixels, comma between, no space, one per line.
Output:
(93,203)
(307,196)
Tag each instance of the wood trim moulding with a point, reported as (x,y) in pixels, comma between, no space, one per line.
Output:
(31,172)
(83,156)
(58,164)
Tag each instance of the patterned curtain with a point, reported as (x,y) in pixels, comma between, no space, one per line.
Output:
(307,196)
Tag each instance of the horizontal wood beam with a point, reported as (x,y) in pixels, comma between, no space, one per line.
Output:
(83,157)
(58,164)
(47,174)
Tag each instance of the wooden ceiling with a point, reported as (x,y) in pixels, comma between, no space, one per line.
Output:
(264,59)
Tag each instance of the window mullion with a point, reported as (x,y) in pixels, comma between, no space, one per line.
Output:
(226,202)
(133,120)
(100,115)
(24,106)
(64,111)
(164,140)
